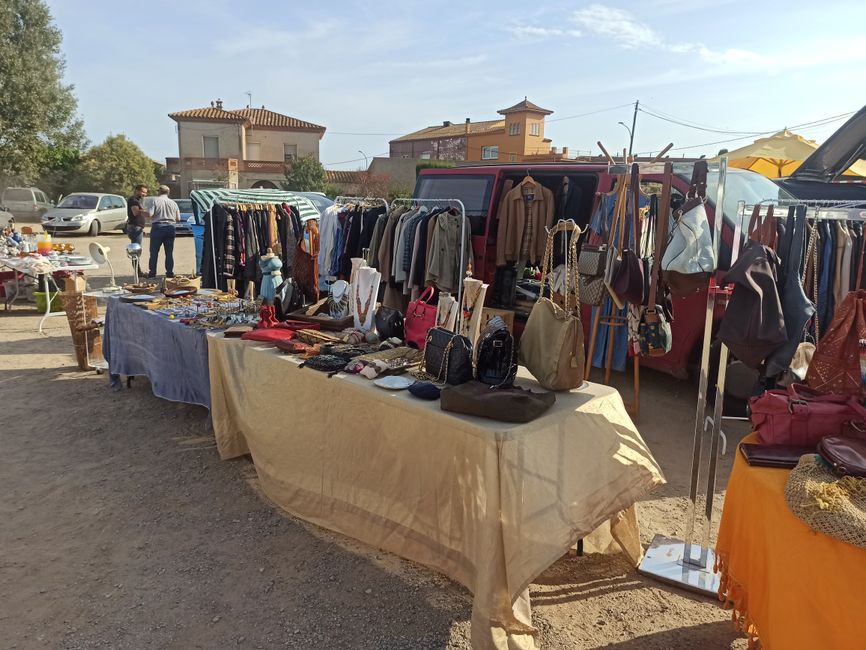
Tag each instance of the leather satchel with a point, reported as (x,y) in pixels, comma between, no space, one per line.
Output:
(835,366)
(800,416)
(689,256)
(420,318)
(389,323)
(496,363)
(551,347)
(846,455)
(447,356)
(502,404)
(629,280)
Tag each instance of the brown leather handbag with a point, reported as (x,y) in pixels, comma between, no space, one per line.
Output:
(306,268)
(835,366)
(503,404)
(551,347)
(629,280)
(846,455)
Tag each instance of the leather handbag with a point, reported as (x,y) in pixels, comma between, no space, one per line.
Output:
(654,331)
(551,347)
(496,363)
(629,280)
(447,356)
(835,366)
(420,318)
(389,323)
(502,404)
(289,298)
(689,256)
(846,455)
(591,264)
(783,456)
(799,416)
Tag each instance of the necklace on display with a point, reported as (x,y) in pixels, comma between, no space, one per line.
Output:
(362,313)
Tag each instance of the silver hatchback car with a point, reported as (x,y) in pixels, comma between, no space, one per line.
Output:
(86,212)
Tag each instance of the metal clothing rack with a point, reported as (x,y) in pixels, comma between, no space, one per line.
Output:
(236,202)
(685,563)
(458,204)
(342,200)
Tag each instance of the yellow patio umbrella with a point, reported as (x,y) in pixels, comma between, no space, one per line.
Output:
(780,155)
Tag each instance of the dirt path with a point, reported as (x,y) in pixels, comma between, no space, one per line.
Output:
(121,528)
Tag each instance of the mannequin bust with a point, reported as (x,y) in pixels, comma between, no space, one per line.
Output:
(270,265)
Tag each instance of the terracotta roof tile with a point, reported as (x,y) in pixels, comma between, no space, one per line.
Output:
(209,113)
(264,118)
(340,176)
(523,106)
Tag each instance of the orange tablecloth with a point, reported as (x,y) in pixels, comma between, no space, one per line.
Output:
(789,586)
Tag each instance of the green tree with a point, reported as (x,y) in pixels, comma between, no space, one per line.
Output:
(37,110)
(305,174)
(116,166)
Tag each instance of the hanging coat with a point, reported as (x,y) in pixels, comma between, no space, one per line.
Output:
(797,309)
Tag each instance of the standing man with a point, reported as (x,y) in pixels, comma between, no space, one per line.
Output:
(136,215)
(165,215)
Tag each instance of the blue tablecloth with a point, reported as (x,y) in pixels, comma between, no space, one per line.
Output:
(170,354)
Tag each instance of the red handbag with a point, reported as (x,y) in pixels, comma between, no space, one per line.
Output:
(420,318)
(801,416)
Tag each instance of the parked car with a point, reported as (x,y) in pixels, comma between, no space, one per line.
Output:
(480,188)
(820,177)
(318,199)
(187,218)
(86,212)
(25,203)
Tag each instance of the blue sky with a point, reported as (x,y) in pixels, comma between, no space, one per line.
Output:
(385,68)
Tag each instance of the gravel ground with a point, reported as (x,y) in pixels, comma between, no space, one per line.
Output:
(123,529)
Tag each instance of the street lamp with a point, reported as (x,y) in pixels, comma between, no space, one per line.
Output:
(366,164)
(630,136)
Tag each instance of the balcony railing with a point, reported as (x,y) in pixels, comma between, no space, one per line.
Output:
(222,164)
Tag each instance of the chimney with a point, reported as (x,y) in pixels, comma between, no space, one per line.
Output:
(553,150)
(467,126)
(219,104)
(211,104)
(565,152)
(446,123)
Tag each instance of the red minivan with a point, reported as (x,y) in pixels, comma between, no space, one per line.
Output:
(480,188)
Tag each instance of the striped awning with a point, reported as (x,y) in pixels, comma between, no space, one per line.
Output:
(202,200)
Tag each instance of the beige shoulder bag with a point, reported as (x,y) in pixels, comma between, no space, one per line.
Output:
(551,347)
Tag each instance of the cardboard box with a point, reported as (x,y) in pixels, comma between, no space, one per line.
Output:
(74,284)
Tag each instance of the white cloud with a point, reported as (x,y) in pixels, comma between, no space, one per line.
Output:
(617,24)
(528,32)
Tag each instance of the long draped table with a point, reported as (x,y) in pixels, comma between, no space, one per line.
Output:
(173,356)
(489,504)
(789,587)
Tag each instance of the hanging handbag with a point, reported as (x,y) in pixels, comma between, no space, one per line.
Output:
(420,318)
(629,280)
(496,364)
(389,323)
(288,298)
(799,416)
(590,266)
(654,331)
(835,366)
(689,256)
(447,357)
(306,265)
(551,347)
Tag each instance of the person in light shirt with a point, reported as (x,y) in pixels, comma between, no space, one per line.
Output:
(164,214)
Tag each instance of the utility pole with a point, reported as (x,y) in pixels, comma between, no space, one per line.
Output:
(633,124)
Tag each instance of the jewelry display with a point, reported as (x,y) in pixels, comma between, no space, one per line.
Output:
(474,292)
(446,311)
(366,290)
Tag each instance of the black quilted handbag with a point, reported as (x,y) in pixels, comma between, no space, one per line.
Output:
(389,323)
(289,298)
(496,364)
(447,356)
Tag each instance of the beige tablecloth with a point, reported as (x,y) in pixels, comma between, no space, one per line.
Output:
(490,504)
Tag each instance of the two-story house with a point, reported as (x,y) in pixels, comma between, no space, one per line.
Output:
(517,137)
(242,148)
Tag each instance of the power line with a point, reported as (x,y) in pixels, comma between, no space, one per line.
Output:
(601,110)
(698,128)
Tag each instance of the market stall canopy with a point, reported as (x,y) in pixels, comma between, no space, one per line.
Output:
(202,200)
(780,155)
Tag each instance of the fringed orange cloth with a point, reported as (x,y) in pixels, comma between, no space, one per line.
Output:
(788,587)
